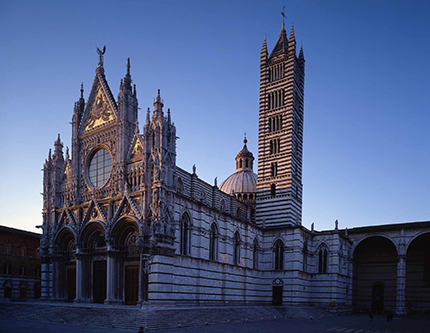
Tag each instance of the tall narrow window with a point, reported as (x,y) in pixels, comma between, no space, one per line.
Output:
(236,249)
(273,190)
(255,254)
(279,254)
(305,256)
(213,242)
(185,234)
(322,260)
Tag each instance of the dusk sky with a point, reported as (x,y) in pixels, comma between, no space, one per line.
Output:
(367,101)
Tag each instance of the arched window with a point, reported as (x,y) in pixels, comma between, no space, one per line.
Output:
(245,196)
(213,242)
(255,254)
(185,234)
(305,256)
(322,260)
(279,254)
(236,249)
(240,164)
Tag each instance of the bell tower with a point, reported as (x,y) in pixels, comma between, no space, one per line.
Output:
(280,134)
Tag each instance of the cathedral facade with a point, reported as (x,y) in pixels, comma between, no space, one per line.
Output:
(122,223)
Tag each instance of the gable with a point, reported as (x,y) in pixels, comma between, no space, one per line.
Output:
(101,111)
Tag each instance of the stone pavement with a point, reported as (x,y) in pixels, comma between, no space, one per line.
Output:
(132,318)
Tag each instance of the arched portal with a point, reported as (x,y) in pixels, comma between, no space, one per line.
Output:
(418,274)
(94,262)
(126,264)
(375,275)
(65,266)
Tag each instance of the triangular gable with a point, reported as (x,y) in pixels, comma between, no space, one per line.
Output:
(136,148)
(94,212)
(101,108)
(127,206)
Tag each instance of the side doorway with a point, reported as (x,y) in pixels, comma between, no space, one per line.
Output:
(277,290)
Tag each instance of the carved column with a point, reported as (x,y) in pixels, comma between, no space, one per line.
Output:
(142,246)
(401,285)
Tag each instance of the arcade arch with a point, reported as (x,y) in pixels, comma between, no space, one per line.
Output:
(375,274)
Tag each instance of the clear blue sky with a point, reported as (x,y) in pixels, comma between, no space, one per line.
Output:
(367,119)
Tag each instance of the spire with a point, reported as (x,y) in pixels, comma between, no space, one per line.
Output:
(148,113)
(281,46)
(292,37)
(301,56)
(158,105)
(292,41)
(127,78)
(58,149)
(264,54)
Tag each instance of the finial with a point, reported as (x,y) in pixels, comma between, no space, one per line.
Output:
(216,181)
(312,227)
(168,115)
(101,53)
(158,92)
(49,154)
(245,141)
(82,90)
(283,17)
(128,66)
(346,232)
(134,89)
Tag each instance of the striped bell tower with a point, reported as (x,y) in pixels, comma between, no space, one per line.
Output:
(280,134)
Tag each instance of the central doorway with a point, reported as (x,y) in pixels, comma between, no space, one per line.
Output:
(99,281)
(131,284)
(377,298)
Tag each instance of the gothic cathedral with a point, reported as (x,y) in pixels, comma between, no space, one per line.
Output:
(123,224)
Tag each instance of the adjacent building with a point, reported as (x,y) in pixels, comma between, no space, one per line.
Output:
(20,264)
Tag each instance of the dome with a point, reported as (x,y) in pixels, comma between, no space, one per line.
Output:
(240,182)
(244,180)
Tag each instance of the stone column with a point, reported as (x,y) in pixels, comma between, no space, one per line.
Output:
(79,276)
(401,285)
(110,272)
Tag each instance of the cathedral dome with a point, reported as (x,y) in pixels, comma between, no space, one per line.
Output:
(244,180)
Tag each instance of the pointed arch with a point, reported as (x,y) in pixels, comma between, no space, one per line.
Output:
(92,236)
(213,242)
(185,234)
(255,253)
(236,248)
(278,250)
(322,258)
